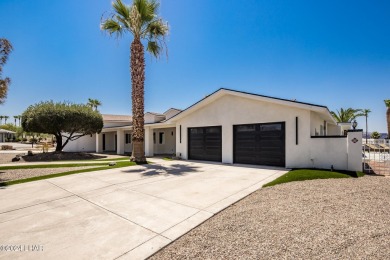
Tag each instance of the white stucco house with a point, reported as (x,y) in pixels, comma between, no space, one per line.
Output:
(6,135)
(232,126)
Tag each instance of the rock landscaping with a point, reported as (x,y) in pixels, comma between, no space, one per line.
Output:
(317,219)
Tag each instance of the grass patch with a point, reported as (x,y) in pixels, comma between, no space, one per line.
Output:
(113,159)
(167,159)
(312,174)
(37,178)
(62,165)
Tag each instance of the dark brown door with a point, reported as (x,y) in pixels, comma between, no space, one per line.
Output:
(262,144)
(205,143)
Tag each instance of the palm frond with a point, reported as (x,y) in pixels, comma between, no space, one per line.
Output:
(387,102)
(157,28)
(346,115)
(154,48)
(147,9)
(112,27)
(121,9)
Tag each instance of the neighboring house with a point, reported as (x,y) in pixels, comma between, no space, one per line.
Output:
(6,135)
(231,126)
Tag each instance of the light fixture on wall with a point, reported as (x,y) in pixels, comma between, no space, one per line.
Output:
(354,124)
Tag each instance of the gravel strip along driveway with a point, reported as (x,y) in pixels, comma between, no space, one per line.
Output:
(318,219)
(17,174)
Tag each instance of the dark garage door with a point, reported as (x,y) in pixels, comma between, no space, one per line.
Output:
(205,143)
(262,144)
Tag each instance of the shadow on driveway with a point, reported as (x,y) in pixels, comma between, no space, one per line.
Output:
(155,170)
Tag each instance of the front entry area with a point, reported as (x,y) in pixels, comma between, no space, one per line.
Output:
(262,144)
(205,143)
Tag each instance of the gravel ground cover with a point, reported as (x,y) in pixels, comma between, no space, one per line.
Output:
(18,174)
(317,219)
(7,157)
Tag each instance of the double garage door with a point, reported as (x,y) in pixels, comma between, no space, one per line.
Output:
(262,144)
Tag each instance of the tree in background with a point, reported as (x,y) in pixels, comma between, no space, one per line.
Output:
(1,120)
(19,118)
(66,121)
(5,119)
(365,112)
(346,115)
(5,50)
(141,20)
(387,103)
(94,103)
(375,135)
(15,118)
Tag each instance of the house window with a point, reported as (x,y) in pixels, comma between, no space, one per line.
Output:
(128,139)
(154,138)
(161,138)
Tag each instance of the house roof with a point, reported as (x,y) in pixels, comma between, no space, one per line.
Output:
(172,108)
(108,117)
(3,131)
(153,113)
(223,91)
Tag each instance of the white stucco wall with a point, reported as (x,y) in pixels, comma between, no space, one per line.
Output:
(232,110)
(169,145)
(317,124)
(333,130)
(83,144)
(325,152)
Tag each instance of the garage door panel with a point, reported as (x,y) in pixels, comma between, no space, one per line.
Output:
(262,144)
(205,143)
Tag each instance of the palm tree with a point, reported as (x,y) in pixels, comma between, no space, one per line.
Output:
(94,103)
(141,20)
(1,120)
(387,103)
(5,119)
(365,112)
(5,50)
(19,118)
(346,115)
(15,117)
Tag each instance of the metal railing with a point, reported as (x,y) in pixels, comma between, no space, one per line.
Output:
(376,156)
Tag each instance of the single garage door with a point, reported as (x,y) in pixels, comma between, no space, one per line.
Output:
(262,144)
(205,143)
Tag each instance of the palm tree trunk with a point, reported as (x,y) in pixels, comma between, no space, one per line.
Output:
(388,122)
(366,128)
(137,68)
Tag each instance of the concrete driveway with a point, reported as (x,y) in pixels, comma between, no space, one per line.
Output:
(126,213)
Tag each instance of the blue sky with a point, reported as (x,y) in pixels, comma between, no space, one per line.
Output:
(334,53)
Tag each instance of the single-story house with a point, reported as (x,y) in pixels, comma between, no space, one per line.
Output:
(232,126)
(6,135)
